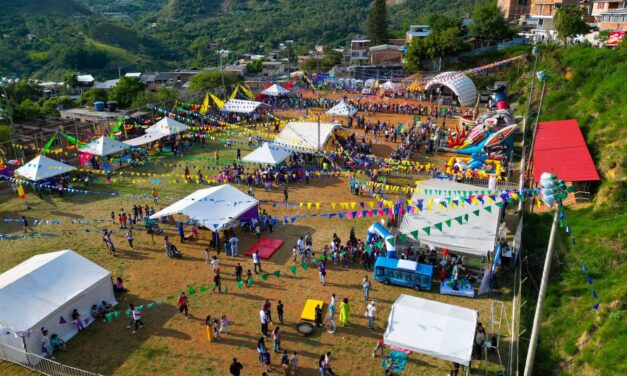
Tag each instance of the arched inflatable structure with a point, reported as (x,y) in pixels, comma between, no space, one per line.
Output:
(378,229)
(459,84)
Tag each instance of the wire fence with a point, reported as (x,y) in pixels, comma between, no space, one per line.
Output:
(38,363)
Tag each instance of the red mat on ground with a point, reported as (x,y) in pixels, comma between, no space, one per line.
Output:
(266,247)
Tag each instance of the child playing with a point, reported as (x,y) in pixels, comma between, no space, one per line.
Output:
(216,328)
(224,324)
(249,277)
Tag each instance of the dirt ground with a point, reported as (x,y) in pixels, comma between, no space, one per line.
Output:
(170,344)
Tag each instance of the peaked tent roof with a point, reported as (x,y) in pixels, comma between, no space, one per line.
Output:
(145,139)
(104,146)
(44,283)
(476,236)
(275,91)
(459,84)
(428,327)
(303,135)
(388,85)
(342,109)
(561,150)
(268,154)
(167,126)
(240,106)
(213,207)
(43,167)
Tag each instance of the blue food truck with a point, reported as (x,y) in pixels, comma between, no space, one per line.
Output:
(404,273)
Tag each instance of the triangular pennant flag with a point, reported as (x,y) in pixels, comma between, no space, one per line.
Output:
(203,288)
(239,284)
(170,297)
(438,226)
(109,316)
(251,281)
(305,266)
(596,307)
(488,209)
(476,212)
(264,276)
(277,273)
(117,314)
(414,234)
(150,305)
(427,230)
(62,320)
(191,290)
(293,269)
(159,302)
(594,294)
(448,222)
(459,219)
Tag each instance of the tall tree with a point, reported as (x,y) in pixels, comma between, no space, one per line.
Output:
(126,91)
(378,23)
(489,23)
(569,22)
(436,45)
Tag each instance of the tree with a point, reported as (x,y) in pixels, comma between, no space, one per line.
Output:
(165,96)
(70,80)
(569,22)
(378,23)
(489,23)
(90,96)
(438,23)
(254,66)
(435,45)
(207,80)
(126,91)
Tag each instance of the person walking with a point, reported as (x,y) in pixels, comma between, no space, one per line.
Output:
(234,241)
(276,338)
(332,306)
(371,310)
(217,283)
(256,262)
(155,196)
(263,318)
(236,368)
(294,363)
(183,305)
(181,232)
(285,194)
(261,348)
(279,311)
(238,272)
(137,318)
(211,335)
(318,316)
(129,238)
(25,225)
(344,312)
(322,270)
(366,284)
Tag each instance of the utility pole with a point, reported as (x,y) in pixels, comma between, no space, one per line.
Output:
(544,79)
(535,331)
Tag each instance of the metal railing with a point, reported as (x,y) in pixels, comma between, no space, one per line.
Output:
(38,363)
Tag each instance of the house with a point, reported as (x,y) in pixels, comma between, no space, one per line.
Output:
(133,74)
(417,31)
(85,80)
(176,78)
(515,10)
(359,51)
(273,69)
(542,14)
(386,54)
(609,14)
(106,85)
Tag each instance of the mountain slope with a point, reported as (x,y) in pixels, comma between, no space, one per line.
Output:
(66,8)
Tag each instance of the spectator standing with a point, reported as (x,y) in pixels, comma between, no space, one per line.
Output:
(183,305)
(370,314)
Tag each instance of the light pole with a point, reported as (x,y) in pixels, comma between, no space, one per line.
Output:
(542,76)
(220,53)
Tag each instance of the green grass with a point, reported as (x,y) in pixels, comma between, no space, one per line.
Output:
(575,339)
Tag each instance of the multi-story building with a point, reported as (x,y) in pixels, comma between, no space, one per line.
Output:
(610,14)
(514,10)
(359,51)
(542,13)
(417,31)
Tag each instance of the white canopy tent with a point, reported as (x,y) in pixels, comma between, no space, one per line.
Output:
(167,127)
(214,207)
(45,288)
(275,91)
(475,237)
(432,328)
(388,85)
(268,154)
(145,139)
(43,167)
(104,146)
(240,106)
(459,84)
(342,109)
(302,136)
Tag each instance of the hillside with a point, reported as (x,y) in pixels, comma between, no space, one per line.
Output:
(165,34)
(575,339)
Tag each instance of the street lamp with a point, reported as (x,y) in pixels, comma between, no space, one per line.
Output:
(221,53)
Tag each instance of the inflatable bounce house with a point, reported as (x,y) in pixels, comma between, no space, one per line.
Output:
(488,141)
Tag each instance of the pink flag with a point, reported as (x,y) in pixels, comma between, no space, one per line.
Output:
(84,158)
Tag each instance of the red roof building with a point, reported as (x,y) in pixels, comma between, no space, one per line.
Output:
(560,149)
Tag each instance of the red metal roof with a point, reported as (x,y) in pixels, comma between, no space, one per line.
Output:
(561,150)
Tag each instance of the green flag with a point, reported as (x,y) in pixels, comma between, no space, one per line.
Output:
(117,314)
(314,260)
(488,209)
(293,269)
(277,273)
(169,297)
(402,238)
(251,281)
(304,266)
(459,219)
(427,230)
(466,217)
(226,289)
(240,284)
(414,234)
(448,222)
(150,305)
(264,276)
(438,226)
(499,204)
(191,290)
(379,244)
(476,212)
(159,302)
(203,288)
(109,316)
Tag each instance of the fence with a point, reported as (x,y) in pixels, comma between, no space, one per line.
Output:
(38,363)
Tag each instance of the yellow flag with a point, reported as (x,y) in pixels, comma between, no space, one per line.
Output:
(234,94)
(246,92)
(219,102)
(20,192)
(205,105)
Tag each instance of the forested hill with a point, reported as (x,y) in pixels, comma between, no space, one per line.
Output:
(44,38)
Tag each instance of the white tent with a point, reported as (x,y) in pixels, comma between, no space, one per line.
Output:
(43,167)
(275,91)
(459,84)
(213,207)
(268,154)
(388,85)
(432,328)
(45,288)
(103,146)
(145,139)
(167,127)
(476,236)
(302,136)
(240,106)
(342,109)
